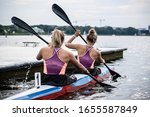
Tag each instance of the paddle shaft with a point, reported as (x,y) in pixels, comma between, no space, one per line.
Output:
(107,67)
(102,84)
(42,39)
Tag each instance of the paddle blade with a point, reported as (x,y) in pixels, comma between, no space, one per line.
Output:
(60,12)
(18,22)
(114,74)
(101,83)
(106,85)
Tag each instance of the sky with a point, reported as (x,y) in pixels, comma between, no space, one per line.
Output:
(115,13)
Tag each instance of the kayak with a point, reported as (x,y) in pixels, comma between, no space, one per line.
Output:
(48,92)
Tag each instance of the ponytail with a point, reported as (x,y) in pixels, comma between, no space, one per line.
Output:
(92,35)
(57,38)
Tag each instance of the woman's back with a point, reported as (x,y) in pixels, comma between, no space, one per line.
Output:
(87,55)
(63,56)
(55,60)
(48,52)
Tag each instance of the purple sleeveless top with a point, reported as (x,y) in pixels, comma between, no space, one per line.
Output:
(86,59)
(54,65)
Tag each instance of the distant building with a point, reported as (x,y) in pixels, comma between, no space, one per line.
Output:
(38,30)
(143,31)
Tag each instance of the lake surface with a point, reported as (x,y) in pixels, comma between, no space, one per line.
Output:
(134,67)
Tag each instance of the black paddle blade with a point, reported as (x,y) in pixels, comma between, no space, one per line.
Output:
(60,12)
(18,22)
(114,74)
(101,83)
(106,85)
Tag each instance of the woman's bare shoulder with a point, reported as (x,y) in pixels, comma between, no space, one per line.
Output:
(65,52)
(65,55)
(96,52)
(45,48)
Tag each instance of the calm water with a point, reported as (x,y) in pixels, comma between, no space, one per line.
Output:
(134,67)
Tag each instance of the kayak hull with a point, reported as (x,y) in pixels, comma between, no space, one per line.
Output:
(47,92)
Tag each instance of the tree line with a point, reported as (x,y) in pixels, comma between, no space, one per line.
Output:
(47,29)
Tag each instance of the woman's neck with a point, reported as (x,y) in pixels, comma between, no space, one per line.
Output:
(90,44)
(56,46)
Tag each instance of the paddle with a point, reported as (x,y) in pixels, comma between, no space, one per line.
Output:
(114,74)
(102,84)
(60,12)
(18,22)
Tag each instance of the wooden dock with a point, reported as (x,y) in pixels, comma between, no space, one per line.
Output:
(28,69)
(33,44)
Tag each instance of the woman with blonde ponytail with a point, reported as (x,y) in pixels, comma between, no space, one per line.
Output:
(87,54)
(57,38)
(56,60)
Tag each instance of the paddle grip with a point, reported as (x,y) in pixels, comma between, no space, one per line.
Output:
(79,35)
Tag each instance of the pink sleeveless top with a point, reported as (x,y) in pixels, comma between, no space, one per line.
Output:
(54,65)
(86,59)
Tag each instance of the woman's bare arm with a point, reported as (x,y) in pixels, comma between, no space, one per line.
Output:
(72,46)
(39,55)
(77,33)
(100,57)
